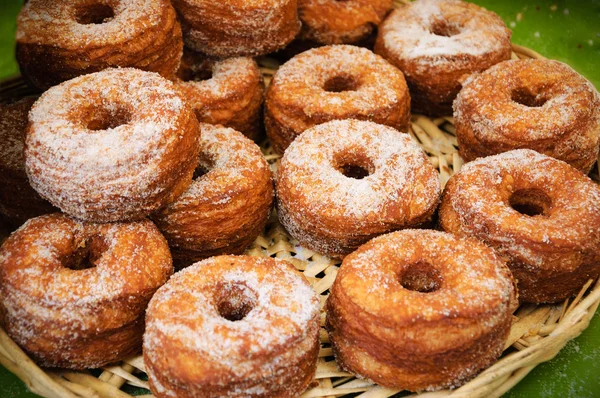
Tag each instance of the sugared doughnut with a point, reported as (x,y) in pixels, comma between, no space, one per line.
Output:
(344,182)
(334,82)
(539,213)
(73,295)
(437,43)
(338,22)
(112,145)
(537,104)
(235,326)
(228,203)
(58,40)
(18,201)
(228,92)
(420,310)
(238,27)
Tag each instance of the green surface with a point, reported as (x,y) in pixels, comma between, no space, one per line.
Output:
(565,30)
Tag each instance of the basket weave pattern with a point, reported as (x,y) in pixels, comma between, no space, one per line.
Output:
(537,333)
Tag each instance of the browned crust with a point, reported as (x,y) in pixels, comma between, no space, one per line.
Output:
(419,351)
(101,201)
(336,22)
(488,120)
(155,49)
(236,102)
(231,210)
(286,111)
(283,369)
(434,88)
(237,28)
(97,329)
(552,258)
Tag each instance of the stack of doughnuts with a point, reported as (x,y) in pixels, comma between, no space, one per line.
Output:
(334,82)
(536,104)
(437,43)
(238,27)
(59,40)
(228,92)
(148,152)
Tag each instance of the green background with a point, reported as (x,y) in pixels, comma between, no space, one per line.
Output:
(565,30)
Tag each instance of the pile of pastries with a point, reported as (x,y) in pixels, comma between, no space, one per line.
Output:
(135,183)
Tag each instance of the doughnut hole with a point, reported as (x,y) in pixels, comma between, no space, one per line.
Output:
(104,118)
(205,165)
(86,254)
(530,202)
(94,14)
(353,164)
(524,96)
(198,75)
(234,300)
(420,277)
(444,28)
(341,83)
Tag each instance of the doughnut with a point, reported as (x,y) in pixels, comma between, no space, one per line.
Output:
(540,214)
(60,40)
(112,145)
(228,203)
(334,82)
(228,92)
(437,43)
(73,294)
(236,28)
(344,182)
(420,310)
(18,201)
(537,104)
(338,22)
(235,326)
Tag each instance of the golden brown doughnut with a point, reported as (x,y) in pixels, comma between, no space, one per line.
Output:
(338,22)
(58,40)
(113,145)
(236,28)
(537,104)
(344,182)
(227,205)
(420,310)
(73,294)
(539,213)
(334,82)
(18,201)
(235,326)
(437,43)
(228,92)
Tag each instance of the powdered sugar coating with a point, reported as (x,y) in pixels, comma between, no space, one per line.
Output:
(337,22)
(558,113)
(227,354)
(475,31)
(298,97)
(118,172)
(232,96)
(402,188)
(54,23)
(438,43)
(224,209)
(238,27)
(410,339)
(562,242)
(57,313)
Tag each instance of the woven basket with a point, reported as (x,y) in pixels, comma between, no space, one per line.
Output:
(537,333)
